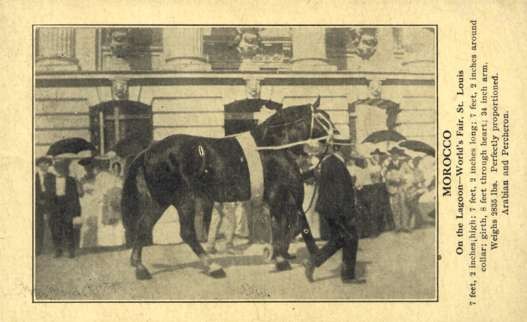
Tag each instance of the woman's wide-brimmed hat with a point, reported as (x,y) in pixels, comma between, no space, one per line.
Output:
(86,161)
(398,153)
(378,152)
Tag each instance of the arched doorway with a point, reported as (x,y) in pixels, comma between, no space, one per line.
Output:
(372,114)
(114,121)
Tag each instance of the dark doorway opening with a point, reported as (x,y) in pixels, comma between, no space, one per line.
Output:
(114,121)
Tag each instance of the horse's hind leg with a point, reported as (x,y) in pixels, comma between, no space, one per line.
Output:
(143,236)
(186,208)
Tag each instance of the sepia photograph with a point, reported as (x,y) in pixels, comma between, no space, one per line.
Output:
(235,163)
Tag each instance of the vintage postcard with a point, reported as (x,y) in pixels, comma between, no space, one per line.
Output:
(189,142)
(359,165)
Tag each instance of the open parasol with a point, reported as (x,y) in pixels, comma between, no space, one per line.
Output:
(418,146)
(384,136)
(70,146)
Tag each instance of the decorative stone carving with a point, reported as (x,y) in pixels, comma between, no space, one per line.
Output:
(56,49)
(362,42)
(120,89)
(252,86)
(249,45)
(120,42)
(375,88)
(248,41)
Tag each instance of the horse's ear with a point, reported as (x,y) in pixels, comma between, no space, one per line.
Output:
(273,105)
(317,103)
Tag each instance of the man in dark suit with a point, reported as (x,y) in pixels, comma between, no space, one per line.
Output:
(336,203)
(44,197)
(67,206)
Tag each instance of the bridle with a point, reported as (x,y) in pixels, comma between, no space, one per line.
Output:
(320,118)
(316,118)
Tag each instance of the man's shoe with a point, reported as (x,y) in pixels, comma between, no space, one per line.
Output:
(288,256)
(309,269)
(211,251)
(357,280)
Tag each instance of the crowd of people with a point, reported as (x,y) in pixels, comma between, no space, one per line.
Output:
(395,191)
(80,202)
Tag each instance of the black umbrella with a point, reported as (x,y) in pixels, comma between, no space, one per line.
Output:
(418,146)
(70,145)
(130,146)
(384,136)
(251,105)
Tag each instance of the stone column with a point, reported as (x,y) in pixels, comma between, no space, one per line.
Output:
(56,49)
(309,50)
(183,49)
(418,45)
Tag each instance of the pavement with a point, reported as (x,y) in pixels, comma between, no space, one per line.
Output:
(397,266)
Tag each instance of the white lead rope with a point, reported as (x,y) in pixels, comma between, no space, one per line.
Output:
(289,145)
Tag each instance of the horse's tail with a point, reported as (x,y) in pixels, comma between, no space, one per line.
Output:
(131,196)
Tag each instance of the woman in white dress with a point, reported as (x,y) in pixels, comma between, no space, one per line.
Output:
(89,214)
(101,219)
(109,185)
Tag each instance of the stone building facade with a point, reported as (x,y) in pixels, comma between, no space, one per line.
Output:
(106,84)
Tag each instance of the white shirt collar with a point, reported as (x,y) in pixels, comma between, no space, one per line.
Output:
(41,173)
(60,186)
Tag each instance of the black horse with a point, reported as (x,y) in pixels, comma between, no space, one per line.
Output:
(180,169)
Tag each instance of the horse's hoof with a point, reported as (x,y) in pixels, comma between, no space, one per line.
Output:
(268,253)
(282,265)
(216,271)
(142,274)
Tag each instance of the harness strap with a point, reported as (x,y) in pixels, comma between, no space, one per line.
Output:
(254,164)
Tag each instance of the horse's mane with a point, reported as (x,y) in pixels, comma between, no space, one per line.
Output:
(287,115)
(286,118)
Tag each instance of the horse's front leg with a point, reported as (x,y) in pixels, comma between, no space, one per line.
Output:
(186,211)
(279,241)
